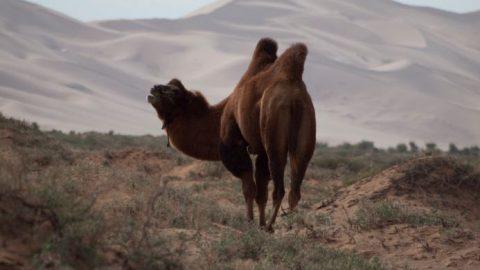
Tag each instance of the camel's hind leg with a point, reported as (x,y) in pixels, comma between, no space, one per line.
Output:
(277,169)
(298,164)
(276,144)
(262,177)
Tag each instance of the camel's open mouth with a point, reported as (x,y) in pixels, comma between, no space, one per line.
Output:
(160,93)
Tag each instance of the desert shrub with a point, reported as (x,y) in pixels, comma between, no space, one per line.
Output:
(78,229)
(384,213)
(366,146)
(287,252)
(247,245)
(453,149)
(32,146)
(472,151)
(292,219)
(431,147)
(183,209)
(111,141)
(54,197)
(35,126)
(352,162)
(327,163)
(209,169)
(413,147)
(402,148)
(475,150)
(323,258)
(334,163)
(144,248)
(95,141)
(323,219)
(442,173)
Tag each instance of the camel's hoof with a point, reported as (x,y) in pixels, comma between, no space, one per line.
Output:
(288,212)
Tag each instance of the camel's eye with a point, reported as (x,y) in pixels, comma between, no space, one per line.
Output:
(178,93)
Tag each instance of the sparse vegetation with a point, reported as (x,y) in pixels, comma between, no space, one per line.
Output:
(288,252)
(352,162)
(384,213)
(444,173)
(91,200)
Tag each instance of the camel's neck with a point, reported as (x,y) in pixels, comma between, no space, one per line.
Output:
(197,133)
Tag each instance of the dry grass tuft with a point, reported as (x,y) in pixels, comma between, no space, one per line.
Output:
(384,213)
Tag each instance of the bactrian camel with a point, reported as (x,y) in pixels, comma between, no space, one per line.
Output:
(269,115)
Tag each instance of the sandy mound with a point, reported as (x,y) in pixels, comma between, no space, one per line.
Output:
(421,214)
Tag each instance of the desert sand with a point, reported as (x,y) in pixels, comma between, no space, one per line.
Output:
(377,70)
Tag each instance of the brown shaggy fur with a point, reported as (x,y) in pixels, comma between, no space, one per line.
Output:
(270,113)
(193,125)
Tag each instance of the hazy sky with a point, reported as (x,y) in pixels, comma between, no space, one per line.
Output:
(459,6)
(88,10)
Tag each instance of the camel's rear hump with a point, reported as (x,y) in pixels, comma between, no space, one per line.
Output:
(291,63)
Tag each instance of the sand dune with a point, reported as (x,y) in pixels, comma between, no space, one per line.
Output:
(377,70)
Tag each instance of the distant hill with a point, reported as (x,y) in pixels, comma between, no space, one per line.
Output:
(377,69)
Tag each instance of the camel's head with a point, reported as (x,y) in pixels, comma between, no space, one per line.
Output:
(169,100)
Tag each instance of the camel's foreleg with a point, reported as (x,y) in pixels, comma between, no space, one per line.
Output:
(238,162)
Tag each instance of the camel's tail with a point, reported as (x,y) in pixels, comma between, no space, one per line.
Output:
(291,63)
(296,118)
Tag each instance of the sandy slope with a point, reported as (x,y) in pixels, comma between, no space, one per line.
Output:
(428,247)
(377,70)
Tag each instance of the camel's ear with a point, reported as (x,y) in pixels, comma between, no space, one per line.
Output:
(177,83)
